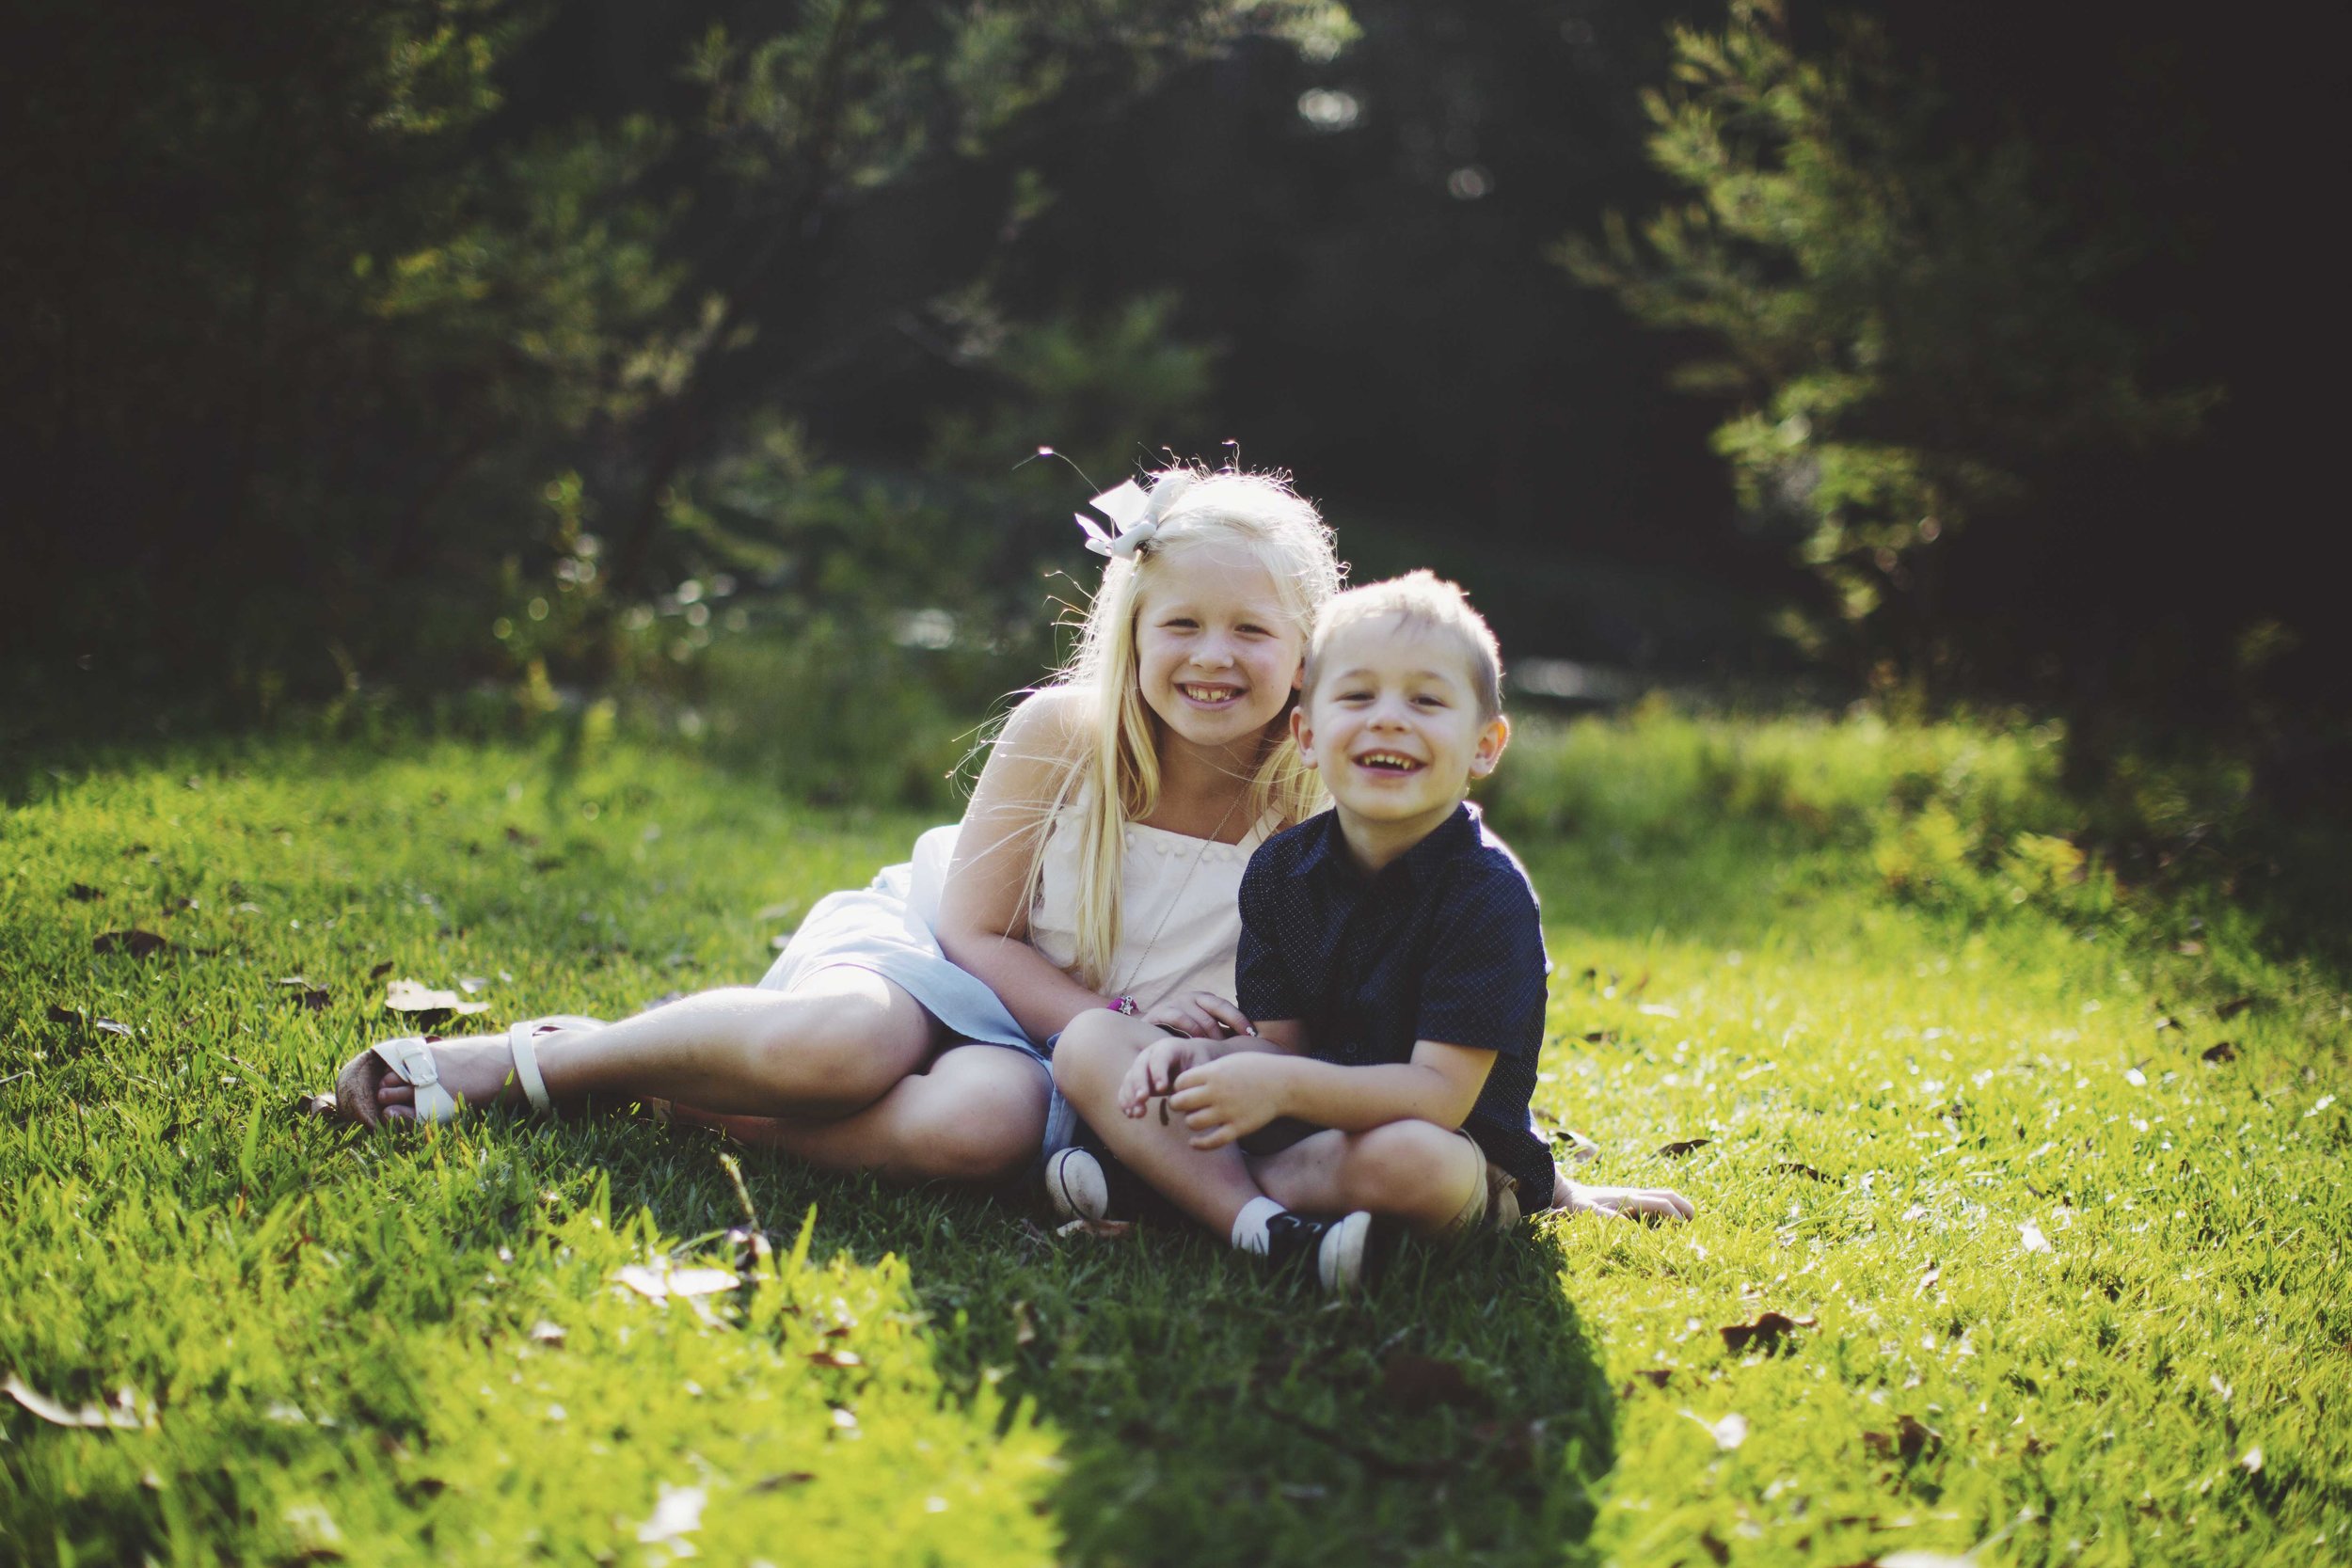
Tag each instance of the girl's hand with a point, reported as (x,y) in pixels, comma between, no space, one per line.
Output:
(1645,1203)
(1202,1014)
(1231,1096)
(1154,1071)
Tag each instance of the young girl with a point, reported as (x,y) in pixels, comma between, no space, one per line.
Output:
(1097,865)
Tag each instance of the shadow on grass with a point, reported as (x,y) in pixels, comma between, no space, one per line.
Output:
(1207,1412)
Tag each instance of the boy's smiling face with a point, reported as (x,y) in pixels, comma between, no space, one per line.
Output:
(1393,725)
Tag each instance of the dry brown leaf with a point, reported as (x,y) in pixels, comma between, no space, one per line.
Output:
(82,892)
(1791,1168)
(137,943)
(319,1105)
(1106,1231)
(1765,1333)
(380,969)
(777,1483)
(2222,1051)
(66,1015)
(302,988)
(1424,1383)
(836,1359)
(1681,1146)
(2230,1008)
(547,1333)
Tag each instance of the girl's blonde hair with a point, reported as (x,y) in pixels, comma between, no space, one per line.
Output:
(1112,775)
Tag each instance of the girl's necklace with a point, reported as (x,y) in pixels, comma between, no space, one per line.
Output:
(1178,897)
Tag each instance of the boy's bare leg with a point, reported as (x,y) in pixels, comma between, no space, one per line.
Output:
(979,1112)
(1416,1173)
(1212,1185)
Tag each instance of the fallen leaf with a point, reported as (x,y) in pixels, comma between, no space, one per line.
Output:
(1024,1327)
(1714,1546)
(678,1512)
(2030,1236)
(2252,1459)
(2189,949)
(408,996)
(1655,1376)
(471,984)
(1678,1149)
(1512,1445)
(121,1418)
(302,988)
(835,1359)
(2166,1021)
(64,1015)
(1926,1281)
(1765,1333)
(82,892)
(2222,1051)
(515,836)
(775,1483)
(655,1284)
(109,1026)
(1791,1168)
(1420,1383)
(139,944)
(1599,1037)
(319,1105)
(2230,1008)
(547,1333)
(1914,1437)
(380,969)
(1106,1231)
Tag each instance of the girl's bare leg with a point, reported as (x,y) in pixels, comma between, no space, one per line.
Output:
(979,1112)
(834,1044)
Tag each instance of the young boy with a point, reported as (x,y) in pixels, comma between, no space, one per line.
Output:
(1391,978)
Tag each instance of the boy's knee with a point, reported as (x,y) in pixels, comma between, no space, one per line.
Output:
(1408,1166)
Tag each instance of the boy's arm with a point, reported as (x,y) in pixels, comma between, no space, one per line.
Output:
(1232,1096)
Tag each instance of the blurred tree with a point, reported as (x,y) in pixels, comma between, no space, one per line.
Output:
(313,311)
(1910,327)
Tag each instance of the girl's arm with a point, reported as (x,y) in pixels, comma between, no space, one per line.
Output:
(983,918)
(1235,1095)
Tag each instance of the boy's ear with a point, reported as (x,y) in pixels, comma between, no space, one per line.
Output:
(1304,734)
(1491,741)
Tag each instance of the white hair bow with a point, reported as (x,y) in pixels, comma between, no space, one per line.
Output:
(1134,512)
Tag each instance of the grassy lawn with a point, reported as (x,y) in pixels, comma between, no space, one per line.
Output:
(2048,1181)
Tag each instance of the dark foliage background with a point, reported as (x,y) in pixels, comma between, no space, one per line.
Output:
(414,347)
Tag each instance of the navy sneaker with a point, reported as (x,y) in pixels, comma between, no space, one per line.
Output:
(1338,1251)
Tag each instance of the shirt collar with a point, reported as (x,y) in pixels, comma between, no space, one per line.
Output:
(1443,842)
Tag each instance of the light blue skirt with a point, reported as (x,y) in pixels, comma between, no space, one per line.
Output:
(886,928)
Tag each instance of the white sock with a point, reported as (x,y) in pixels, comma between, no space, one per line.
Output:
(1250,1224)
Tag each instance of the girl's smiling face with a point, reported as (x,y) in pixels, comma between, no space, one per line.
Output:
(1216,654)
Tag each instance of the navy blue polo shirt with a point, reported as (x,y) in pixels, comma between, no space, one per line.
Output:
(1445,944)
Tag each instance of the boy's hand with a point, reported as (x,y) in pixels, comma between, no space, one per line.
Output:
(1231,1096)
(1154,1071)
(1202,1014)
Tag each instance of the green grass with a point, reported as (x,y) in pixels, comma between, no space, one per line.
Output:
(1834,951)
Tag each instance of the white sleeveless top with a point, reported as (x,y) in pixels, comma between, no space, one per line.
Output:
(1180,906)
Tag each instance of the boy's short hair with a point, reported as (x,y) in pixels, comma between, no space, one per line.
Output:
(1419,598)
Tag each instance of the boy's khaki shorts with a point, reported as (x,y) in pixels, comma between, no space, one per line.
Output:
(1493,1204)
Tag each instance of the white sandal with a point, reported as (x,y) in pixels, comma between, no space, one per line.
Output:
(359,1086)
